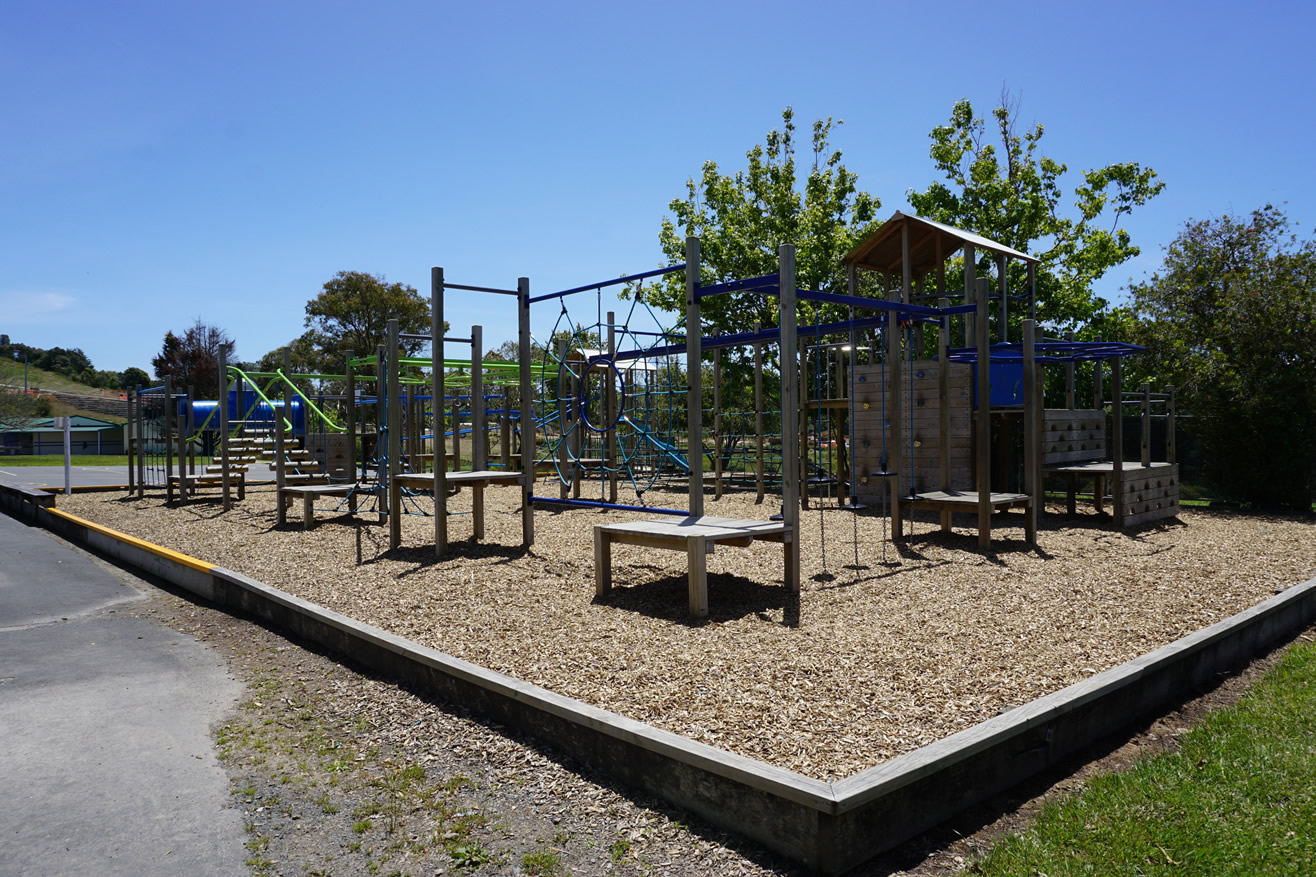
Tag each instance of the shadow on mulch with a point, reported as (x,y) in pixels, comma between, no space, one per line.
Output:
(729,598)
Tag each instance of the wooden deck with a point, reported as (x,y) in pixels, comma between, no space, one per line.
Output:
(1150,492)
(697,537)
(467,478)
(966,502)
(309,493)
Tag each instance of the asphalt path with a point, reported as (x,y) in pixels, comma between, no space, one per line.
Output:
(106,754)
(89,476)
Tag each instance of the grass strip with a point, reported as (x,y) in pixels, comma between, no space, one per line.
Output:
(18,460)
(1238,797)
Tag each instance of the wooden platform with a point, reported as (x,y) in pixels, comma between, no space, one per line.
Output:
(309,493)
(966,502)
(1150,492)
(695,536)
(478,478)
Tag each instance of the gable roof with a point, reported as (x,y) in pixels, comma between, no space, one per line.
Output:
(881,250)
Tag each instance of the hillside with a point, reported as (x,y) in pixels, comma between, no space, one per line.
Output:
(69,396)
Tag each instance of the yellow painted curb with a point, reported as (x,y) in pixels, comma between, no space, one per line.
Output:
(185,560)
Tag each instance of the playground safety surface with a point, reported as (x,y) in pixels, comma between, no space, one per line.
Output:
(876,658)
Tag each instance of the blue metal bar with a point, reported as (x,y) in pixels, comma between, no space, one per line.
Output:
(613,282)
(868,304)
(590,504)
(749,283)
(1051,351)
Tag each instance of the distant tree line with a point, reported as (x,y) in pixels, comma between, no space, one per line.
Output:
(71,363)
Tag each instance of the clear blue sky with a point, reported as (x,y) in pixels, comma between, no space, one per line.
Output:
(167,161)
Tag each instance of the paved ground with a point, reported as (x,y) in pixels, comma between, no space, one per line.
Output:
(105,745)
(53,476)
(89,476)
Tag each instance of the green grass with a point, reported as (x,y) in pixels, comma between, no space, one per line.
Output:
(1239,797)
(58,460)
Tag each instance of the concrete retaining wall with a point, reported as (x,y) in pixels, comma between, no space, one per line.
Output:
(829,827)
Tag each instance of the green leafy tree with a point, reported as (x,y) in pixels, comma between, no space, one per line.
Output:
(1000,185)
(352,313)
(132,377)
(1230,320)
(193,359)
(742,219)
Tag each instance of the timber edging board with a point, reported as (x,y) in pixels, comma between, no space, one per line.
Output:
(828,826)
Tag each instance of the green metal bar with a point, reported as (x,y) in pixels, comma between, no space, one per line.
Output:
(329,423)
(257,390)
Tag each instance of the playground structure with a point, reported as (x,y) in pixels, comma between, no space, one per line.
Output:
(871,419)
(183,444)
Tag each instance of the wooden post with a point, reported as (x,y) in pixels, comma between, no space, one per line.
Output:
(438,381)
(694,379)
(1003,266)
(895,408)
(189,416)
(479,460)
(1098,402)
(1117,444)
(280,410)
(1032,433)
(758,415)
(790,401)
(611,415)
(984,413)
(134,400)
(943,414)
(565,468)
(1146,424)
(717,424)
(184,483)
(223,429)
(1069,375)
(1171,451)
(394,415)
(350,418)
(141,446)
(168,429)
(527,413)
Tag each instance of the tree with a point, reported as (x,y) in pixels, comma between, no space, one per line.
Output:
(192,360)
(742,219)
(131,377)
(352,313)
(1010,192)
(1231,321)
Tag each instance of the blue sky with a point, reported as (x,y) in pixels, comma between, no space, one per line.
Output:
(168,161)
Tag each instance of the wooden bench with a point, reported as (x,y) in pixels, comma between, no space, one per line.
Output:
(477,480)
(966,501)
(237,477)
(309,493)
(697,537)
(1150,492)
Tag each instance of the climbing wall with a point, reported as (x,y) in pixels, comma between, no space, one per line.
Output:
(921,424)
(1151,493)
(1073,436)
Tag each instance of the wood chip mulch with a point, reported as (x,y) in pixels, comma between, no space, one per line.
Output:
(876,658)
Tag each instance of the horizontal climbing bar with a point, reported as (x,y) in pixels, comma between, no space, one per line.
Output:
(657,272)
(462,286)
(749,284)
